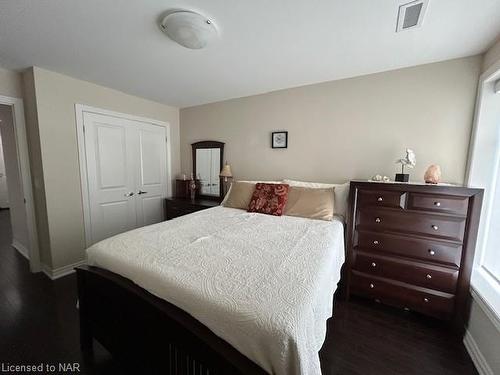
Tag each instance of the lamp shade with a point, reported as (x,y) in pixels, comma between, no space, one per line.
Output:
(226,171)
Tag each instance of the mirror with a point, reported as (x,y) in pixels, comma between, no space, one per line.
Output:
(207,164)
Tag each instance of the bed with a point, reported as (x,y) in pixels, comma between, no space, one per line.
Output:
(217,291)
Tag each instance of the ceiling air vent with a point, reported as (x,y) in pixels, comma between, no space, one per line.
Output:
(410,15)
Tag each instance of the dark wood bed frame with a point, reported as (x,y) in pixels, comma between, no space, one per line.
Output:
(148,333)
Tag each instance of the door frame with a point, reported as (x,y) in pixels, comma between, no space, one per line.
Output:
(21,139)
(80,109)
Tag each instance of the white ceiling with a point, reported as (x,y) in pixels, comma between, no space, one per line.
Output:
(264,45)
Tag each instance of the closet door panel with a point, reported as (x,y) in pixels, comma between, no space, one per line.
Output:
(109,149)
(151,173)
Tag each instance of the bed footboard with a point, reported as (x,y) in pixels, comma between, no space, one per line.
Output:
(145,331)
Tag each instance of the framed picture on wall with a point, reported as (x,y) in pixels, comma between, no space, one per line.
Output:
(279,139)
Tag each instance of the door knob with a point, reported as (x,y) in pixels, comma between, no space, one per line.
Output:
(140,192)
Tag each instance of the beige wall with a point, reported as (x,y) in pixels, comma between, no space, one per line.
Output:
(11,83)
(56,96)
(35,154)
(352,128)
(491,56)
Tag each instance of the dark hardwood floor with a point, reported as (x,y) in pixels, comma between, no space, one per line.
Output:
(39,324)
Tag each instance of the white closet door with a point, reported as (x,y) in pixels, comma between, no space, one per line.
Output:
(109,148)
(151,174)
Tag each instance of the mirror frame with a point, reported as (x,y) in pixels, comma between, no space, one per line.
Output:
(204,145)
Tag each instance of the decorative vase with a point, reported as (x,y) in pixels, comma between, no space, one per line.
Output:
(433,174)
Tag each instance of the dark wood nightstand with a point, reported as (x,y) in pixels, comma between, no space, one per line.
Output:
(182,206)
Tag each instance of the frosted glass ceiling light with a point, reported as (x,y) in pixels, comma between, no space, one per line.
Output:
(189,29)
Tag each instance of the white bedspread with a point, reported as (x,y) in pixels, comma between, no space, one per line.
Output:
(262,283)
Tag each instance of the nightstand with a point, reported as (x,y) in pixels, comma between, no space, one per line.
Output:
(182,206)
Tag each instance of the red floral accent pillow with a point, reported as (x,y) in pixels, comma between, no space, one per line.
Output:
(269,199)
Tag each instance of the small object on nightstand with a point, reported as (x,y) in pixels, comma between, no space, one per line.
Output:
(408,161)
(379,178)
(182,188)
(433,174)
(192,188)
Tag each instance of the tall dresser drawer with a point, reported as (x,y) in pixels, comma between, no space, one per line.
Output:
(399,294)
(426,224)
(381,198)
(432,251)
(432,277)
(438,203)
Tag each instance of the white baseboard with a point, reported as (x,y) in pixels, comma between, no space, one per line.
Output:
(23,250)
(477,357)
(61,271)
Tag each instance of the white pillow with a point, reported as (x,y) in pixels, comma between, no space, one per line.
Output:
(223,203)
(340,193)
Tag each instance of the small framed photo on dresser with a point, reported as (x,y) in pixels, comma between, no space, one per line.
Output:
(279,139)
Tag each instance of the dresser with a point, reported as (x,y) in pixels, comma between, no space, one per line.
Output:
(412,245)
(176,207)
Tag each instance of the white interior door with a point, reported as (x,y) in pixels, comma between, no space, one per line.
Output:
(4,193)
(151,174)
(109,148)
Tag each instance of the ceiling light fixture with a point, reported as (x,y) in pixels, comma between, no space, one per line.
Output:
(189,29)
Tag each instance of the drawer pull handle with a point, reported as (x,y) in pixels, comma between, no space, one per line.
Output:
(428,276)
(380,199)
(435,227)
(378,220)
(375,242)
(374,264)
(129,194)
(377,300)
(437,204)
(372,286)
(426,300)
(432,252)
(406,308)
